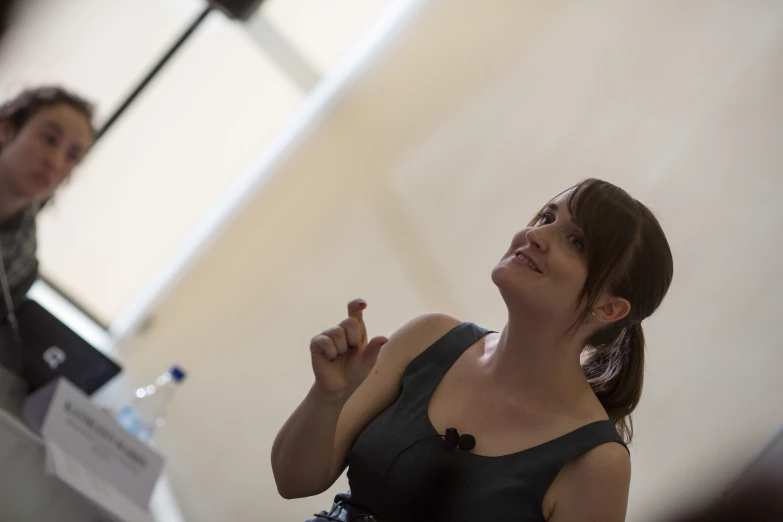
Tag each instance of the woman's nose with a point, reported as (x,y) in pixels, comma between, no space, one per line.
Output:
(56,160)
(537,239)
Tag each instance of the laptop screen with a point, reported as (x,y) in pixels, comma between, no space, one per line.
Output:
(52,350)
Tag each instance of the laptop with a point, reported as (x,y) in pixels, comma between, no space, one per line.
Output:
(52,350)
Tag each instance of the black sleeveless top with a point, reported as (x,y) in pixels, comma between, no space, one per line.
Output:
(401,470)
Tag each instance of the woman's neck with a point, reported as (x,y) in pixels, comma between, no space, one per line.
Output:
(538,362)
(10,204)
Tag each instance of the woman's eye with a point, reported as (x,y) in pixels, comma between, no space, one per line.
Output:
(577,242)
(49,139)
(545,219)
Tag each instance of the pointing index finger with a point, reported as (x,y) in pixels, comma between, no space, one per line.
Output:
(355,308)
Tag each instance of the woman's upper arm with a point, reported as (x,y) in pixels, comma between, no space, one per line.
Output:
(382,386)
(594,487)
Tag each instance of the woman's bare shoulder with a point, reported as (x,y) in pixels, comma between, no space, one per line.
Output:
(419,333)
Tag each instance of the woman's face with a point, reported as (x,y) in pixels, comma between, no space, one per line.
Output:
(544,270)
(37,158)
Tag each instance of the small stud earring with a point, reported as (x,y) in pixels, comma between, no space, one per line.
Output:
(588,318)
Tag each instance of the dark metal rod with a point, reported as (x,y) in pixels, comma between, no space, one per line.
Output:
(110,122)
(153,72)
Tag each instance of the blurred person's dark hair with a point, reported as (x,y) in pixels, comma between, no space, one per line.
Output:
(757,500)
(6,14)
(21,108)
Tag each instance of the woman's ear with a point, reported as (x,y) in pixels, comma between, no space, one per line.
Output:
(611,309)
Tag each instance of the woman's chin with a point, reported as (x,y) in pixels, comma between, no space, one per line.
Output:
(500,276)
(39,193)
(517,276)
(510,289)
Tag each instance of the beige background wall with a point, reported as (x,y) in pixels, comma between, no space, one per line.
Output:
(408,189)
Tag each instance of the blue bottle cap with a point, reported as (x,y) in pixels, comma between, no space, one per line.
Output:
(177,373)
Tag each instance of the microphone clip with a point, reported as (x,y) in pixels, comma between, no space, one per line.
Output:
(453,440)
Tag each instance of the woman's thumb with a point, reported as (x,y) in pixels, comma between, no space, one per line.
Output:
(372,350)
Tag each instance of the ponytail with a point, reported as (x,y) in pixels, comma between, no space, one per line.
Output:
(627,257)
(615,370)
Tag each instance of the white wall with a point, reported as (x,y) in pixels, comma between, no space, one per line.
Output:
(408,190)
(322,31)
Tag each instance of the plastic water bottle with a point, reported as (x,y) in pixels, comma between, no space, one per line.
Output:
(146,413)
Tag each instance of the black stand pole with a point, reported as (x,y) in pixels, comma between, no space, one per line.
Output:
(112,120)
(154,71)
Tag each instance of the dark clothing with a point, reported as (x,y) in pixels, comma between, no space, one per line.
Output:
(401,470)
(18,245)
(18,250)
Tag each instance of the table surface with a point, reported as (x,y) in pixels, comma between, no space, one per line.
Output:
(28,493)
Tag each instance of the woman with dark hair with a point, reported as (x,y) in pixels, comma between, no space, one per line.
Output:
(44,134)
(546,402)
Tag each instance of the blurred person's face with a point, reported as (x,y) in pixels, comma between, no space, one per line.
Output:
(37,158)
(545,268)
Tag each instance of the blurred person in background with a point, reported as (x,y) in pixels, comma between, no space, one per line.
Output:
(547,401)
(757,500)
(44,134)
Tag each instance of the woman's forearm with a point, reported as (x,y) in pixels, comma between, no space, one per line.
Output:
(302,451)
